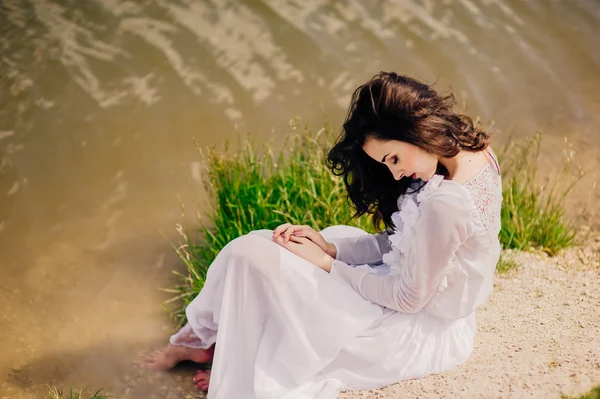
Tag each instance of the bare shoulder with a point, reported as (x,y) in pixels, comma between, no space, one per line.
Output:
(471,165)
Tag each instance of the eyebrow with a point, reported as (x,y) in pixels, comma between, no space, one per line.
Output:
(385,156)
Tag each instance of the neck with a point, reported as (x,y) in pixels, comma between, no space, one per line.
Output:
(453,164)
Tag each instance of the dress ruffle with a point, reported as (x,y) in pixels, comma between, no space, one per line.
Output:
(404,221)
(432,185)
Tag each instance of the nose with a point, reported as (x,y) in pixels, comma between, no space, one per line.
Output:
(397,174)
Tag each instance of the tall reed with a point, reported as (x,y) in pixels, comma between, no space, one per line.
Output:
(533,211)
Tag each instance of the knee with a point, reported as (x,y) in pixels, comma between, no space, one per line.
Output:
(265,233)
(255,252)
(246,245)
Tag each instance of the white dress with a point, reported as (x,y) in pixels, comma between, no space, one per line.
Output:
(394,307)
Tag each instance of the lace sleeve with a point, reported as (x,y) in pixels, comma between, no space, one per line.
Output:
(444,224)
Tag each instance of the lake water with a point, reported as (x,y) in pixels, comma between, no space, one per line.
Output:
(102,100)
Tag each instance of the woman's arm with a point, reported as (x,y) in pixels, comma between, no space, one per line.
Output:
(368,248)
(440,230)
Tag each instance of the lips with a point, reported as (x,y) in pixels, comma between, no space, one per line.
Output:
(414,176)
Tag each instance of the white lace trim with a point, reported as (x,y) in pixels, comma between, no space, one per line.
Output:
(487,197)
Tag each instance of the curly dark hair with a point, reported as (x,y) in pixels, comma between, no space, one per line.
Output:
(396,107)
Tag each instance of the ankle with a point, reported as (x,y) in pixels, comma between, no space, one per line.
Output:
(202,355)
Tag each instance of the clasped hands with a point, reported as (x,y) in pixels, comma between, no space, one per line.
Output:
(306,243)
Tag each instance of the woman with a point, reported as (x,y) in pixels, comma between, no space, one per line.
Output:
(293,313)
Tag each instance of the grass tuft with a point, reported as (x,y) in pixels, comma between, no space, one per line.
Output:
(506,262)
(56,393)
(593,394)
(533,212)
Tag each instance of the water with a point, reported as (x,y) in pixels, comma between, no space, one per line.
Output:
(101,102)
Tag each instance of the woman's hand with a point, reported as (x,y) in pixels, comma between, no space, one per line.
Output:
(308,250)
(287,230)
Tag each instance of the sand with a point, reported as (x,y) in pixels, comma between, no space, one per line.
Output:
(538,335)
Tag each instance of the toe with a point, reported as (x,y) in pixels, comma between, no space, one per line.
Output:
(150,356)
(202,385)
(198,375)
(201,380)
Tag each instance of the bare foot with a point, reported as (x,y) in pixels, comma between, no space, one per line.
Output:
(202,379)
(164,359)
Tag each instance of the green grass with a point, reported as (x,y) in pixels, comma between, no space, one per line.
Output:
(533,211)
(593,394)
(506,262)
(256,188)
(55,393)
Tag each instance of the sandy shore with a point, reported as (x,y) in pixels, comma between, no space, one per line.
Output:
(538,335)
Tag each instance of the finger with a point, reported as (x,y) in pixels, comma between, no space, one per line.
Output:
(278,240)
(310,234)
(287,245)
(286,241)
(304,231)
(305,241)
(288,232)
(301,231)
(280,228)
(294,244)
(297,240)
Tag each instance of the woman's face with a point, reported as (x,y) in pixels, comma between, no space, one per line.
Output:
(403,159)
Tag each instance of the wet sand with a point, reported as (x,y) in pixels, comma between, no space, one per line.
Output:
(66,326)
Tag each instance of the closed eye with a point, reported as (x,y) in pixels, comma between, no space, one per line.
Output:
(395,160)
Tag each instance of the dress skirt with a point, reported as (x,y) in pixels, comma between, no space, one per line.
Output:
(286,329)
